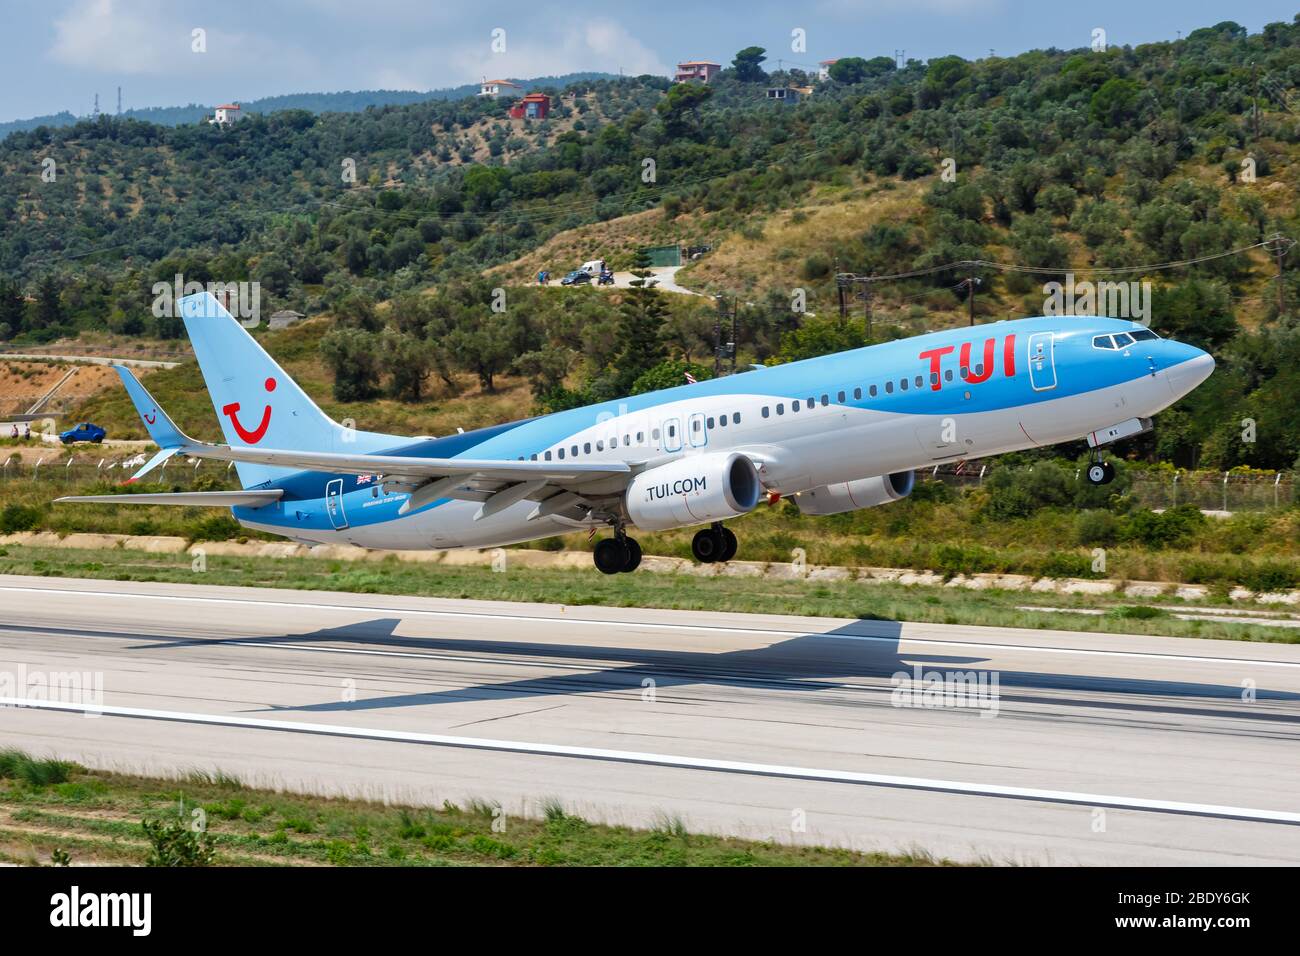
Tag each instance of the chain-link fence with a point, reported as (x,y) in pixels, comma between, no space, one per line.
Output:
(55,469)
(1207,490)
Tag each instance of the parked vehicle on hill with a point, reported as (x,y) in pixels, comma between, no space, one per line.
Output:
(86,431)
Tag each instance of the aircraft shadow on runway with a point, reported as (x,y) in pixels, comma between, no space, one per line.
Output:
(811,662)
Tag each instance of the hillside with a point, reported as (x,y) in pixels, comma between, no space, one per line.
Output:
(1037,165)
(344,101)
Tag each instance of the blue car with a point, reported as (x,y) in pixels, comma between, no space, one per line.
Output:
(576,277)
(86,431)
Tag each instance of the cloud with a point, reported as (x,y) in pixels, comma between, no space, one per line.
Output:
(600,45)
(96,35)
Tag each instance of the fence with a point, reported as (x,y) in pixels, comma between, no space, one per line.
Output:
(1209,491)
(52,469)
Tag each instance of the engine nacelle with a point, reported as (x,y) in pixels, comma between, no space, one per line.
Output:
(696,489)
(853,495)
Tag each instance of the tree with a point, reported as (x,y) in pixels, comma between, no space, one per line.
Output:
(747,65)
(680,108)
(354,359)
(641,326)
(409,360)
(12,308)
(49,304)
(850,69)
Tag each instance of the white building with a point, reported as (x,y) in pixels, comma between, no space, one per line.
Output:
(225,115)
(500,88)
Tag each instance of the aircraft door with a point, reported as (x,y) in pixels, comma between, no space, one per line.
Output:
(334,504)
(1042,361)
(699,434)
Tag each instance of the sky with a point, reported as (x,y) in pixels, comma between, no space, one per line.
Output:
(59,53)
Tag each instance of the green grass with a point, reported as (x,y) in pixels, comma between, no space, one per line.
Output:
(842,599)
(97,817)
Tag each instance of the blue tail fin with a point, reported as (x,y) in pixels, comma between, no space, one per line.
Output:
(257,403)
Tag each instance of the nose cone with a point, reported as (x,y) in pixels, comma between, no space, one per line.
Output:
(1187,369)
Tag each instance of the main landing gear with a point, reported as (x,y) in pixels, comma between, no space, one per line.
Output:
(617,554)
(714,543)
(1100,472)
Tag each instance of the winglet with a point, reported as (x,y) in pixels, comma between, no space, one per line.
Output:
(153,463)
(161,428)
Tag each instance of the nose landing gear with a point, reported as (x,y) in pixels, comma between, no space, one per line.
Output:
(714,543)
(1101,473)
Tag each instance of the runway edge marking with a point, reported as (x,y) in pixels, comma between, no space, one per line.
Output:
(680,762)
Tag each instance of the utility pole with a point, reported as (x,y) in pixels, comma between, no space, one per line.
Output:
(1280,245)
(971,283)
(840,281)
(119,101)
(1254,72)
(735,340)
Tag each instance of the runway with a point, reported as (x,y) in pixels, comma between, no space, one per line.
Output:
(1060,747)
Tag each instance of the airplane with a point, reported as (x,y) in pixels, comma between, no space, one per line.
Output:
(835,433)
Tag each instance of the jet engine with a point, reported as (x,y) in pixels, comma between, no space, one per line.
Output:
(696,489)
(853,495)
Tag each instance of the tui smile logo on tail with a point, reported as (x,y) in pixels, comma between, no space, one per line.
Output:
(152,417)
(231,411)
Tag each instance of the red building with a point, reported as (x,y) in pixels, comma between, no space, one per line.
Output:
(532,106)
(693,71)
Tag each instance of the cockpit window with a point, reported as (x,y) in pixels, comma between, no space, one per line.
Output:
(1123,339)
(1102,342)
(1143,335)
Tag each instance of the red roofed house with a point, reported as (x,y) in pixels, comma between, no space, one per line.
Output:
(824,69)
(533,106)
(693,70)
(225,115)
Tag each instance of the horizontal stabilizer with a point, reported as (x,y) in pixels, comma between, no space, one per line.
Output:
(210,499)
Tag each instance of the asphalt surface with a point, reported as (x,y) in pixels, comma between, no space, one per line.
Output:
(1099,749)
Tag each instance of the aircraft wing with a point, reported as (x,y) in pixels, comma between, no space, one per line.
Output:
(221,499)
(403,466)
(495,482)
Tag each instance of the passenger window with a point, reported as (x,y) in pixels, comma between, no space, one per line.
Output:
(560,453)
(934,378)
(947,375)
(640,437)
(722,421)
(889,388)
(735,418)
(574,451)
(841,397)
(873,391)
(794,406)
(548,456)
(780,408)
(919,381)
(600,445)
(857,394)
(902,383)
(586,448)
(979,368)
(708,423)
(765,413)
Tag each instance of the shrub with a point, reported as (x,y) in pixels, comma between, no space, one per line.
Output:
(1096,527)
(16,517)
(1066,564)
(1271,577)
(1164,530)
(173,843)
